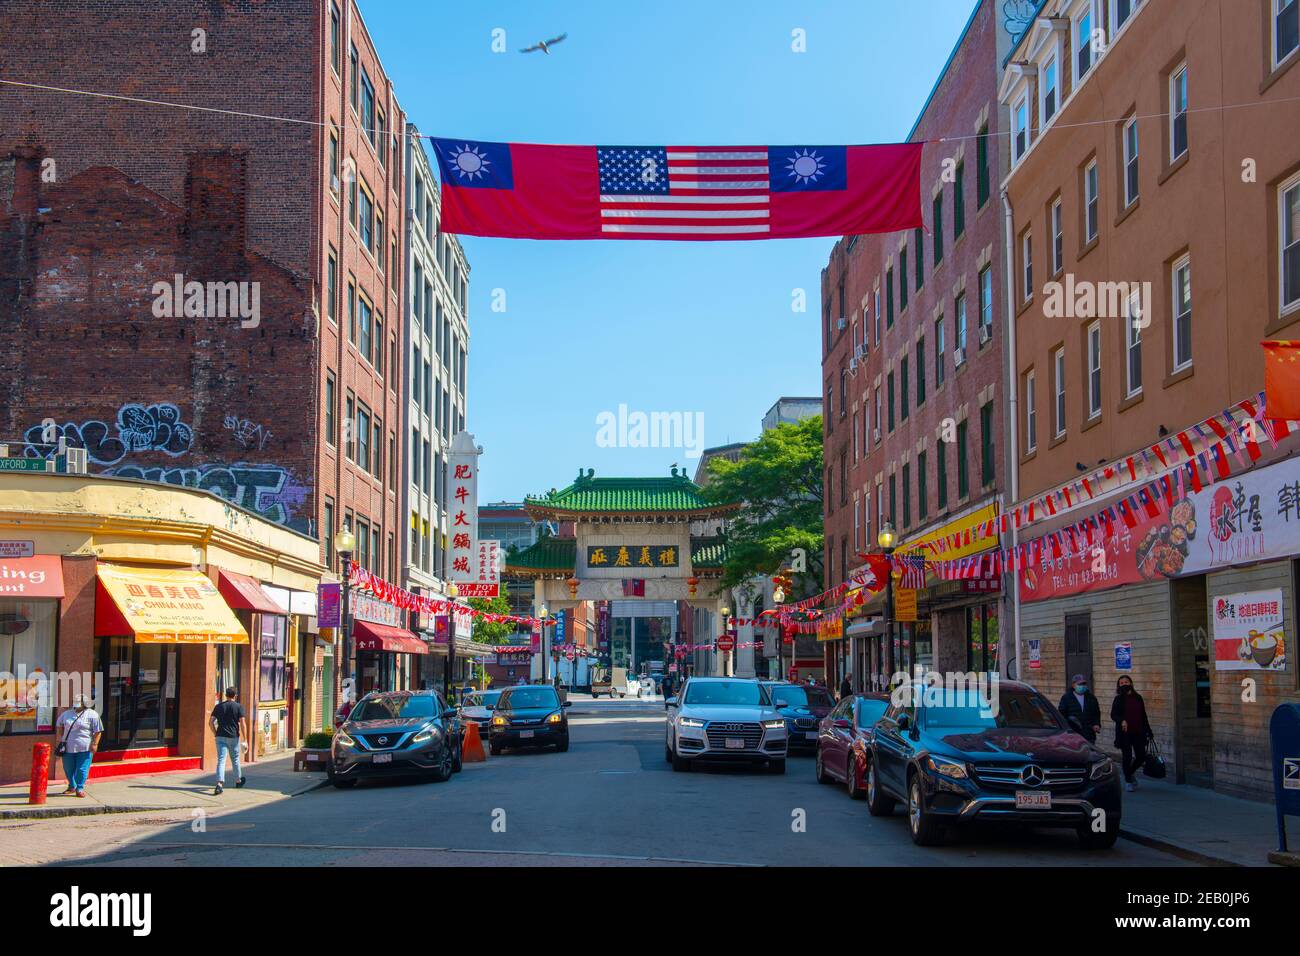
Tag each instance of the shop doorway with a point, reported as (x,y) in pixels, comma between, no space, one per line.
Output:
(1194,739)
(1078,646)
(140,680)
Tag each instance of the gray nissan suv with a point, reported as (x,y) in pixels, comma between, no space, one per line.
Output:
(393,733)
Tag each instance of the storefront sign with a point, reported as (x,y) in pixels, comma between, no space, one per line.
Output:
(1035,649)
(1124,656)
(514,655)
(487,567)
(633,556)
(1249,631)
(958,526)
(462,482)
(35,577)
(981,585)
(167,606)
(364,607)
(17,549)
(328,601)
(1246,519)
(904,604)
(830,628)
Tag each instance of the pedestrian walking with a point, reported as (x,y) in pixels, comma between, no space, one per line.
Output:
(1081,710)
(231,728)
(80,730)
(1132,728)
(846,687)
(668,686)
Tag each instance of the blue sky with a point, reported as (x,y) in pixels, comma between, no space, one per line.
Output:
(692,327)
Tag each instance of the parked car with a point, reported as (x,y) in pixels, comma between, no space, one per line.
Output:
(958,759)
(478,707)
(396,732)
(803,708)
(844,741)
(725,719)
(531,716)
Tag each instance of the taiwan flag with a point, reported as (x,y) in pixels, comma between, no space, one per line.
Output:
(527,191)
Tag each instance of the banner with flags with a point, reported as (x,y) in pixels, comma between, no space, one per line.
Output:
(531,191)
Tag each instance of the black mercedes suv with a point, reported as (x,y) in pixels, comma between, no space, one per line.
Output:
(951,757)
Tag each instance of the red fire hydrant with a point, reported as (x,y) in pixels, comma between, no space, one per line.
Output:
(40,773)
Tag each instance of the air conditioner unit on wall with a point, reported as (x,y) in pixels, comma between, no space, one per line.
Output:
(841,324)
(853,364)
(986,333)
(76,461)
(958,356)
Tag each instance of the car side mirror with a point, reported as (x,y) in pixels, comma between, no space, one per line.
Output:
(450,712)
(781,705)
(567,703)
(670,702)
(842,724)
(903,722)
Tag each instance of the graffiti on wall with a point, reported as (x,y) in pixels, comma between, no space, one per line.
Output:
(247,432)
(267,490)
(138,428)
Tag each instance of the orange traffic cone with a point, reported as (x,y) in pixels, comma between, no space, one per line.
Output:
(472,750)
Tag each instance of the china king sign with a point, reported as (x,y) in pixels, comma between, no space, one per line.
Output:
(462,508)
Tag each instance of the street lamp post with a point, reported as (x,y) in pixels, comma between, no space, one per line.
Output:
(887,539)
(344,543)
(725,613)
(452,591)
(546,645)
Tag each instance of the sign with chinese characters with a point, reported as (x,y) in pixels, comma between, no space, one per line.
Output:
(17,549)
(514,655)
(364,607)
(487,572)
(633,556)
(462,509)
(1243,520)
(1249,631)
(328,601)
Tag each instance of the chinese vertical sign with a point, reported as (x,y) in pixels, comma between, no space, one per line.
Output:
(487,571)
(462,512)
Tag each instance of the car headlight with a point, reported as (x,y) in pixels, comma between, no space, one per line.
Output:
(343,739)
(553,719)
(947,768)
(498,721)
(689,722)
(1102,769)
(777,724)
(428,733)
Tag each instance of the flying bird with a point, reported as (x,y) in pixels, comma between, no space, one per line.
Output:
(544,45)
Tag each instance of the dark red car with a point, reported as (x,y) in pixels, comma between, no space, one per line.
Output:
(844,741)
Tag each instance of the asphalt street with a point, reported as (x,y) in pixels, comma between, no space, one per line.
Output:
(610,800)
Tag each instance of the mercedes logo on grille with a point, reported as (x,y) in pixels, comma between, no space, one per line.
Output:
(383,740)
(1032,776)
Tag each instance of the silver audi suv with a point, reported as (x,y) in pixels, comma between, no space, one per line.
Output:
(724,719)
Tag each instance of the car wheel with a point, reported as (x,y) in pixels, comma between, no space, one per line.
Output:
(457,763)
(680,765)
(925,831)
(776,766)
(443,771)
(342,783)
(851,778)
(563,745)
(821,768)
(1090,839)
(494,748)
(878,805)
(668,753)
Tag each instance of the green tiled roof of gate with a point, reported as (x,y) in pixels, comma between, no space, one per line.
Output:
(708,553)
(545,554)
(589,495)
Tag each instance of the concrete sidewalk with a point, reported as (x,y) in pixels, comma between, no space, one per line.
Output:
(1202,825)
(271,778)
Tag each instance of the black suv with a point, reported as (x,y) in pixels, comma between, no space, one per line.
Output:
(952,758)
(396,732)
(529,716)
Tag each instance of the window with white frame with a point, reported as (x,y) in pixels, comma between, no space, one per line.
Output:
(939,358)
(1121,13)
(961,323)
(1091,201)
(1133,322)
(1178,113)
(1094,370)
(866,521)
(857,523)
(1031,413)
(1020,127)
(1182,301)
(986,299)
(1049,88)
(1130,162)
(876,435)
(855,436)
(1058,373)
(1289,244)
(1286,29)
(1027,265)
(877,314)
(1058,238)
(1083,43)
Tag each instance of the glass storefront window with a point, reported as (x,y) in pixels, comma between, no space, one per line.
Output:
(228,670)
(27,639)
(273,648)
(982,637)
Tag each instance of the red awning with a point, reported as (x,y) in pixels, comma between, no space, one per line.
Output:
(241,591)
(381,637)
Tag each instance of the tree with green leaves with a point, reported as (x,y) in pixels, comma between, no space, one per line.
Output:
(779,479)
(490,632)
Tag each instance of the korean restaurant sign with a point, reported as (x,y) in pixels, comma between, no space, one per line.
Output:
(487,572)
(633,556)
(1244,519)
(1249,631)
(462,509)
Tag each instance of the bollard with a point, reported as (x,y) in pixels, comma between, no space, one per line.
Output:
(40,774)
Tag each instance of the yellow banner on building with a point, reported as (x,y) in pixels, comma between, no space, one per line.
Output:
(970,522)
(830,628)
(166,606)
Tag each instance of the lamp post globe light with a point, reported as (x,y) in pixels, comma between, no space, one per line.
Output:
(545,645)
(725,613)
(887,539)
(345,542)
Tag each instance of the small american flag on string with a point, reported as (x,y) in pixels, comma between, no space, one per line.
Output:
(911,572)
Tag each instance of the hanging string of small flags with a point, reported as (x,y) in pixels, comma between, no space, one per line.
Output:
(364,580)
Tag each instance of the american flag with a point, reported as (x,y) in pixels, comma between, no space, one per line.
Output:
(911,572)
(659,192)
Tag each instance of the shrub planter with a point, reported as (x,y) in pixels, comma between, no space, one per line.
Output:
(312,758)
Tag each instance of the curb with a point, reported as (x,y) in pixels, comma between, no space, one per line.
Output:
(1284,859)
(1176,849)
(45,813)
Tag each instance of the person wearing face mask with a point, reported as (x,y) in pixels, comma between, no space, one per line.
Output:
(1132,729)
(80,730)
(1080,708)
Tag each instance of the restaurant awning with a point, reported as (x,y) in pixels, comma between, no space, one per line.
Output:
(381,637)
(163,606)
(40,576)
(244,592)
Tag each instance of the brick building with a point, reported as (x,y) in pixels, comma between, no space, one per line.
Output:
(1130,185)
(913,370)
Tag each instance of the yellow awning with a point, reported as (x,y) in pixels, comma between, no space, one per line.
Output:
(164,606)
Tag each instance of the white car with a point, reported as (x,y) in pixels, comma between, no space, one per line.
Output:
(724,719)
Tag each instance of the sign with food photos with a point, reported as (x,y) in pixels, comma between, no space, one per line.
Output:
(1245,519)
(1249,631)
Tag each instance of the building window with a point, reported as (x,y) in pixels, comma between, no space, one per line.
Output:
(352,192)
(332,287)
(982,167)
(379,345)
(1094,370)
(922,503)
(963,471)
(1020,127)
(327,533)
(1031,413)
(902,279)
(1058,239)
(938,238)
(941,475)
(919,236)
(363,437)
(1026,267)
(366,224)
(1091,199)
(857,524)
(1133,321)
(889,387)
(367,106)
(1083,43)
(27,646)
(889,299)
(907,495)
(959,202)
(331,399)
(986,443)
(920,371)
(349,428)
(961,327)
(902,392)
(893,501)
(1178,113)
(377,459)
(336,49)
(1058,374)
(353,70)
(363,328)
(1123,10)
(876,320)
(1286,29)
(1289,243)
(986,300)
(334,161)
(416,461)
(1182,301)
(877,426)
(427,468)
(273,646)
(1047,106)
(352,311)
(939,358)
(1130,162)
